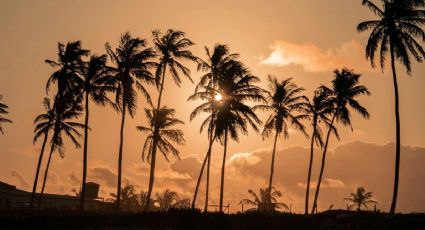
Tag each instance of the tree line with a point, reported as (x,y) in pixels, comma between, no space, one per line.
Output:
(226,91)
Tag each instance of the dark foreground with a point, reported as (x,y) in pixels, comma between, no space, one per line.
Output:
(195,220)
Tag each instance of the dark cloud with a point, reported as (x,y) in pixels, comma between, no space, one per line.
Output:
(190,165)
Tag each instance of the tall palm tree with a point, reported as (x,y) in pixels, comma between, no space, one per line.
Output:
(319,109)
(345,89)
(3,110)
(43,124)
(395,32)
(233,115)
(160,131)
(285,104)
(217,61)
(95,82)
(62,123)
(132,62)
(360,198)
(265,201)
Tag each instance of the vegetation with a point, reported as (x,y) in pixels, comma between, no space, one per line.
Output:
(265,201)
(3,110)
(395,32)
(360,198)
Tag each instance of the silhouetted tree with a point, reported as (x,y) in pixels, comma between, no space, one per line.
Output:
(95,82)
(61,124)
(395,31)
(319,109)
(166,199)
(160,130)
(131,61)
(3,110)
(360,198)
(345,89)
(129,198)
(285,105)
(217,62)
(233,115)
(265,201)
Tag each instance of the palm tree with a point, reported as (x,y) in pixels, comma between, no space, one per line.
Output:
(345,89)
(132,64)
(43,124)
(233,115)
(395,31)
(60,123)
(265,201)
(216,63)
(166,199)
(129,197)
(285,104)
(95,84)
(319,109)
(360,198)
(3,110)
(160,131)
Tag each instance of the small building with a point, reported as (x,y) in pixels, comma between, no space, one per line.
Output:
(13,198)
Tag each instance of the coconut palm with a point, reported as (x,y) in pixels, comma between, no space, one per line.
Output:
(3,110)
(217,61)
(129,197)
(131,61)
(233,115)
(346,89)
(160,132)
(166,199)
(61,122)
(94,80)
(265,201)
(43,124)
(285,104)
(395,32)
(360,198)
(319,109)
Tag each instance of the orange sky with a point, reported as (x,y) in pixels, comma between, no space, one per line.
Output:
(302,39)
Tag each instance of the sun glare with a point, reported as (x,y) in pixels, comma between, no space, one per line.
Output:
(217,97)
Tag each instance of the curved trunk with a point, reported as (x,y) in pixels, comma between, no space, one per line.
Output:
(40,159)
(86,128)
(207,187)
(397,122)
(117,207)
(152,174)
(198,182)
(222,172)
(316,195)
(40,197)
(310,165)
(269,195)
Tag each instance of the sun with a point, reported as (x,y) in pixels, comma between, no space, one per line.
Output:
(217,97)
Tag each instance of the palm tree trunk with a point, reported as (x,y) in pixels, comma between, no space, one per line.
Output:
(316,195)
(397,122)
(310,165)
(207,187)
(152,172)
(162,88)
(222,172)
(120,157)
(86,128)
(40,159)
(269,195)
(40,197)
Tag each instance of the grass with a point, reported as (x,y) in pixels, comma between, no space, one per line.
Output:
(187,219)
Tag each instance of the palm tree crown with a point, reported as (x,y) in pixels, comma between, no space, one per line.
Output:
(3,110)
(360,198)
(261,201)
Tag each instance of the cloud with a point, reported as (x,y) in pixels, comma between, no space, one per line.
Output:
(326,183)
(316,59)
(189,165)
(23,183)
(104,174)
(74,179)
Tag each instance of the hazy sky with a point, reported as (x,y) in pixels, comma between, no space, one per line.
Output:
(302,39)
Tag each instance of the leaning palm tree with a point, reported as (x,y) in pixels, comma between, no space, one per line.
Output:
(233,115)
(43,124)
(160,132)
(217,61)
(285,104)
(395,32)
(265,201)
(61,123)
(319,109)
(360,198)
(95,83)
(132,63)
(3,110)
(345,89)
